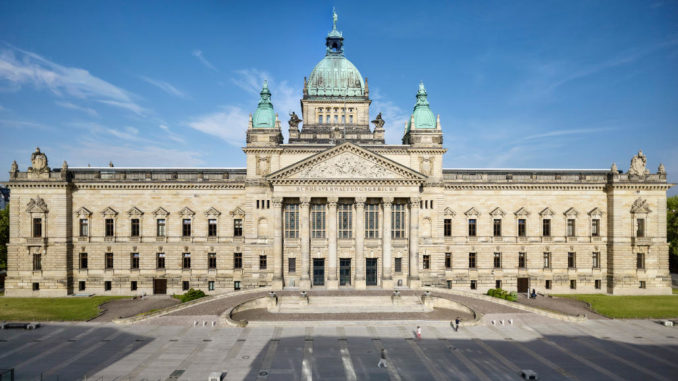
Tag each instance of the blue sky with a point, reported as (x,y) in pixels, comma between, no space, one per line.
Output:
(528,84)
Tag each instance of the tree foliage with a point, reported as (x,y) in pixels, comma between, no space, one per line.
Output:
(4,236)
(672,230)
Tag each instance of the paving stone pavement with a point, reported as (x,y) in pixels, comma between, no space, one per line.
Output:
(556,350)
(123,308)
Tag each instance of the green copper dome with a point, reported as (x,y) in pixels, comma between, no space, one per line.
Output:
(264,117)
(422,115)
(335,75)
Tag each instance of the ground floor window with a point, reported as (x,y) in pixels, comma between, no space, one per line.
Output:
(398,265)
(36,286)
(81,285)
(37,262)
(107,285)
(597,284)
(497,283)
(573,284)
(236,285)
(133,285)
(292,265)
(185,285)
(474,284)
(210,285)
(548,285)
(427,262)
(263,262)
(642,284)
(449,284)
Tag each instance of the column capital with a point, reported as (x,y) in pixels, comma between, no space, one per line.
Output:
(414,202)
(387,201)
(305,201)
(360,201)
(277,202)
(332,202)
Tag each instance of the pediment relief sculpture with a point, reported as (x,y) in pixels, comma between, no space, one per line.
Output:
(237,212)
(472,212)
(639,165)
(497,212)
(37,205)
(596,212)
(160,212)
(522,212)
(546,212)
(109,212)
(449,212)
(212,212)
(135,212)
(640,206)
(571,212)
(186,212)
(83,212)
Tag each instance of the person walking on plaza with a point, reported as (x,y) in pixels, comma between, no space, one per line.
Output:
(456,324)
(418,333)
(382,360)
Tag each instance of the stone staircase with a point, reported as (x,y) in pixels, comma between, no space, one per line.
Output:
(343,304)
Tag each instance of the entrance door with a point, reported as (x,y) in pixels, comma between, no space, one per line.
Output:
(159,286)
(523,285)
(371,271)
(344,271)
(318,271)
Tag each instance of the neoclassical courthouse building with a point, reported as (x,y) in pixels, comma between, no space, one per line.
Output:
(336,207)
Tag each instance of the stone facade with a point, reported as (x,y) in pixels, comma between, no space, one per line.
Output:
(336,207)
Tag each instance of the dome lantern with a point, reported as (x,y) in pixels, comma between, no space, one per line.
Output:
(264,116)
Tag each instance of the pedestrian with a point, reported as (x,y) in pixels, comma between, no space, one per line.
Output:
(418,332)
(382,360)
(456,324)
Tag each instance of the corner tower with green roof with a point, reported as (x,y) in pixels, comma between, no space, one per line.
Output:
(264,125)
(423,128)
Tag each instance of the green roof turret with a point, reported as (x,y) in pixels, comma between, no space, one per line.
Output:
(422,116)
(264,117)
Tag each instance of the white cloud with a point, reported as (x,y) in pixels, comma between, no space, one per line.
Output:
(72,106)
(164,86)
(201,57)
(19,67)
(229,124)
(171,135)
(575,131)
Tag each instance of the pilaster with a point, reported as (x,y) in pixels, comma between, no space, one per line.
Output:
(360,243)
(386,278)
(332,281)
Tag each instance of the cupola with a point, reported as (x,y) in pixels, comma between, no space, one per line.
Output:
(264,116)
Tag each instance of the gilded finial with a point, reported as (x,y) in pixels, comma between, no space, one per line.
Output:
(335,17)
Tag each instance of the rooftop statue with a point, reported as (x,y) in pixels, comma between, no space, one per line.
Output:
(294,120)
(639,165)
(379,122)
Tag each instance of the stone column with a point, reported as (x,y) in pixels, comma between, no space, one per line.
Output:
(332,281)
(386,278)
(360,242)
(304,236)
(278,264)
(414,243)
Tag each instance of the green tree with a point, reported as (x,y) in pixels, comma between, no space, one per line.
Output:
(672,231)
(4,236)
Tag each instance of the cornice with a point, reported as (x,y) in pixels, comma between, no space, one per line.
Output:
(339,182)
(489,186)
(38,184)
(236,186)
(639,186)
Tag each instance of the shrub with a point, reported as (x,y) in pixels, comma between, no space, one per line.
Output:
(190,295)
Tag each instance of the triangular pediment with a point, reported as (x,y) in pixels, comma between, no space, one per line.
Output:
(596,212)
(346,162)
(109,212)
(37,205)
(572,212)
(522,212)
(212,212)
(237,212)
(160,212)
(449,212)
(83,212)
(186,212)
(497,212)
(135,211)
(546,212)
(472,212)
(640,206)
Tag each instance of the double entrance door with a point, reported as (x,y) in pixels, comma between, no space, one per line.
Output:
(345,271)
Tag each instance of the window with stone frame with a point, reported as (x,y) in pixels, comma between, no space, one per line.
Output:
(212,227)
(640,227)
(474,284)
(496,227)
(134,261)
(160,260)
(185,285)
(497,283)
(133,285)
(472,260)
(595,259)
(571,260)
(447,227)
(522,260)
(263,262)
(573,284)
(571,227)
(237,260)
(210,285)
(595,227)
(109,227)
(291,219)
(237,227)
(371,220)
(160,227)
(547,284)
(186,227)
(397,221)
(497,260)
(597,284)
(426,262)
(522,227)
(398,265)
(108,265)
(212,261)
(84,227)
(37,262)
(83,261)
(640,261)
(82,285)
(472,227)
(108,285)
(134,227)
(345,221)
(291,265)
(546,227)
(547,260)
(448,260)
(37,227)
(317,220)
(186,261)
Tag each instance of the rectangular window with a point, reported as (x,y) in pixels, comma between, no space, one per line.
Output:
(640,261)
(522,260)
(37,227)
(497,260)
(497,227)
(398,265)
(595,258)
(186,263)
(345,220)
(237,260)
(210,285)
(571,260)
(109,227)
(472,227)
(573,284)
(371,221)
(133,285)
(134,261)
(292,265)
(350,119)
(497,283)
(546,227)
(257,204)
(186,227)
(268,204)
(597,284)
(320,119)
(291,220)
(640,225)
(83,261)
(398,221)
(317,221)
(185,285)
(212,260)
(161,227)
(522,227)
(474,284)
(547,285)
(37,262)
(134,227)
(447,227)
(36,286)
(160,260)
(642,284)
(84,227)
(571,227)
(212,227)
(236,285)
(595,227)
(237,227)
(427,262)
(336,119)
(109,261)
(448,260)
(263,262)
(82,285)
(472,260)
(547,260)
(108,285)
